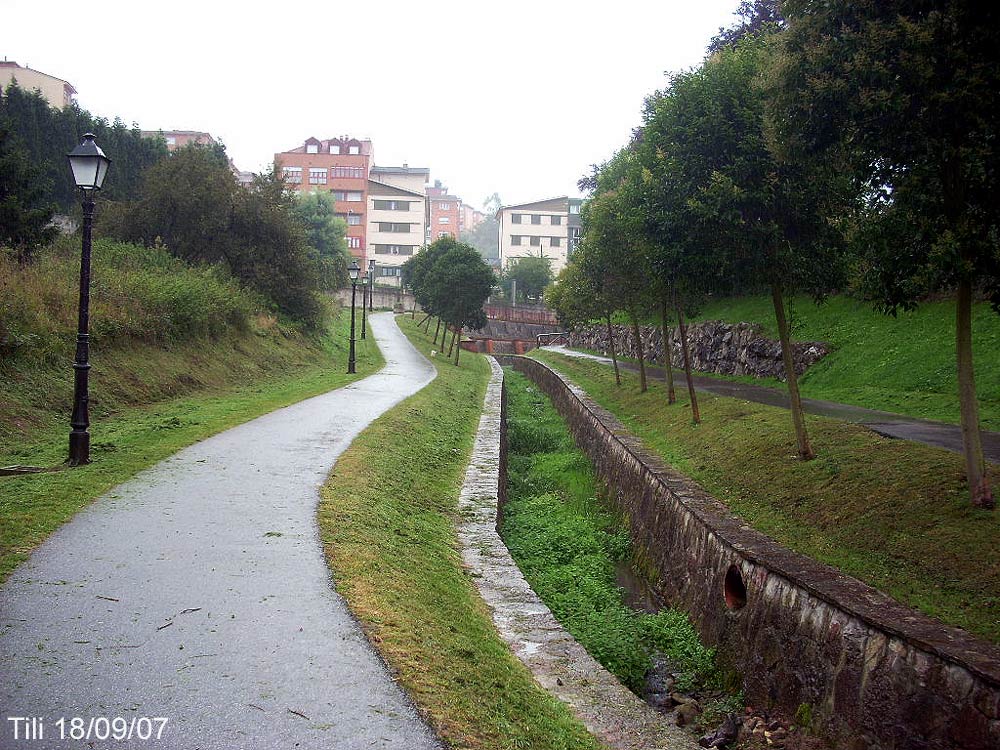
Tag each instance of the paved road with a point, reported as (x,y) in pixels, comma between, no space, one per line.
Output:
(198,592)
(938,434)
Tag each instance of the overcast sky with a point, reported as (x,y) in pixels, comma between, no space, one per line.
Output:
(512,97)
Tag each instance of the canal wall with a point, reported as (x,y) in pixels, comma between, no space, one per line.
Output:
(875,674)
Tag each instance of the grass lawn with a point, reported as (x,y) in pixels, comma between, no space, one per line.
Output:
(387,522)
(903,364)
(224,391)
(892,513)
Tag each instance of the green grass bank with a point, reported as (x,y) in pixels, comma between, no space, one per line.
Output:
(387,521)
(170,367)
(891,513)
(903,364)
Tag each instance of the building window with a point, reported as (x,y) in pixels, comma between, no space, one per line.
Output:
(444,220)
(339,195)
(574,208)
(515,239)
(352,172)
(536,219)
(556,220)
(312,148)
(354,150)
(394,249)
(535,241)
(171,140)
(515,218)
(392,205)
(445,234)
(317,176)
(353,196)
(292,175)
(354,243)
(334,148)
(444,206)
(389,270)
(353,220)
(393,226)
(555,242)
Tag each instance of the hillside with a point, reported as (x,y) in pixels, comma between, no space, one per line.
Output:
(903,364)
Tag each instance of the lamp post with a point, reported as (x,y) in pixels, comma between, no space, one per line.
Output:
(89,165)
(353,273)
(371,284)
(364,303)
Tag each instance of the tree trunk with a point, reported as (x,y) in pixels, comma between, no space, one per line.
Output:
(426,318)
(452,346)
(692,394)
(638,348)
(427,327)
(611,346)
(798,417)
(668,348)
(458,335)
(975,464)
(436,329)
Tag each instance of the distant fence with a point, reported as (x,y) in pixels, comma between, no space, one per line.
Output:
(521,314)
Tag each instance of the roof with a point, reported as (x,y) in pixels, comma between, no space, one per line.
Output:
(380,188)
(12,64)
(343,140)
(542,205)
(402,170)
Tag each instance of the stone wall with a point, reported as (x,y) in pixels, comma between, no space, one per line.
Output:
(875,673)
(726,348)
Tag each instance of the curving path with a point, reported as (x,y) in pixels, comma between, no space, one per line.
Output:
(198,592)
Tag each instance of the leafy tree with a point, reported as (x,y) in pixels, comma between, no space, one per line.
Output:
(532,275)
(908,91)
(25,211)
(734,214)
(455,281)
(485,237)
(753,17)
(326,234)
(49,134)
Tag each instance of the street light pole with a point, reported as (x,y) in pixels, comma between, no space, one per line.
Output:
(371,284)
(353,272)
(89,165)
(364,303)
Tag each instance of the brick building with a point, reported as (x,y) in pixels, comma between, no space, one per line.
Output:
(444,212)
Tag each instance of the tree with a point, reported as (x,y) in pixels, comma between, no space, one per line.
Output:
(485,237)
(25,210)
(456,281)
(531,274)
(753,17)
(907,92)
(736,215)
(326,234)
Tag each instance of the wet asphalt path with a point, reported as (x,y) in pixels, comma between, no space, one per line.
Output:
(198,592)
(938,434)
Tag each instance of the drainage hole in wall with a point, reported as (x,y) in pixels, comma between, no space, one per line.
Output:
(735,590)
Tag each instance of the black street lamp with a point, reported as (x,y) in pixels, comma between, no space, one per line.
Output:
(353,272)
(89,165)
(364,297)
(371,284)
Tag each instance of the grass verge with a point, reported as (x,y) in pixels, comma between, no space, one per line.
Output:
(387,522)
(567,543)
(892,513)
(127,439)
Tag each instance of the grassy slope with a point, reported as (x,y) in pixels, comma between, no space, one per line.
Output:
(387,523)
(150,401)
(904,364)
(889,512)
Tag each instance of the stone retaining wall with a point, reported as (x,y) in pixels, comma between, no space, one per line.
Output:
(725,348)
(875,673)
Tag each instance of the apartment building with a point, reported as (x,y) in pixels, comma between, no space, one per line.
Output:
(469,217)
(539,229)
(180,138)
(444,216)
(341,166)
(396,228)
(57,92)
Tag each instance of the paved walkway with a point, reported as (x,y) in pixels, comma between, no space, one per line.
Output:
(938,434)
(198,592)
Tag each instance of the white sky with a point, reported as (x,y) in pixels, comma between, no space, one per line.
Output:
(514,97)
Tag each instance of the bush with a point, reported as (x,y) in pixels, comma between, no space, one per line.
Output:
(136,293)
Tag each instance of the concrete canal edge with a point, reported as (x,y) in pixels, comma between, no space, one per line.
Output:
(559,664)
(876,674)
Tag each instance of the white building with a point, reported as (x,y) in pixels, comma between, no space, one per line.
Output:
(539,229)
(397,227)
